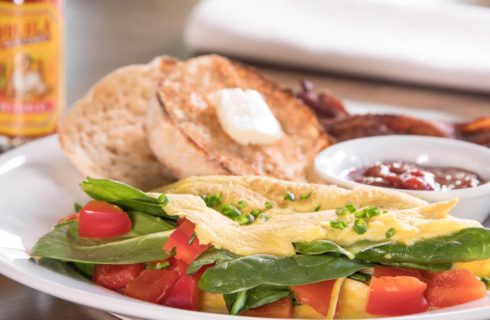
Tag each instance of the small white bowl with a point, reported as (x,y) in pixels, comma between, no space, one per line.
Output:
(334,163)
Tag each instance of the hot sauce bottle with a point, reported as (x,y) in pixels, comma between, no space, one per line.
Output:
(31,69)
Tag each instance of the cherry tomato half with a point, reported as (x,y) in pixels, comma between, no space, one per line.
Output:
(100,219)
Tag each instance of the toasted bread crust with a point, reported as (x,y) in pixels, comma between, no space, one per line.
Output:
(183,97)
(103,133)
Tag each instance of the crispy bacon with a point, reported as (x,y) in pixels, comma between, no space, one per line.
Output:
(341,125)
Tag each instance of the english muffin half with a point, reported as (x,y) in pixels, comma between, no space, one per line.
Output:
(103,133)
(185,134)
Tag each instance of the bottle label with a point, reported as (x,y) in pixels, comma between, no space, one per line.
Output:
(31,69)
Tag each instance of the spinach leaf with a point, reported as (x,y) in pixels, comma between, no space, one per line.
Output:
(251,271)
(321,247)
(436,267)
(211,255)
(145,224)
(60,267)
(86,269)
(64,243)
(465,245)
(124,196)
(254,298)
(361,277)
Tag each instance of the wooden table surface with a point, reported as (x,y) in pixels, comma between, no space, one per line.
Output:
(102,35)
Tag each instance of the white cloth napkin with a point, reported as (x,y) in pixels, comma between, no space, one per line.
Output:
(438,43)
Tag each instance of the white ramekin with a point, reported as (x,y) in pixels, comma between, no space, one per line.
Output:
(334,163)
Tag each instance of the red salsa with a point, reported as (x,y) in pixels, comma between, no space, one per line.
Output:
(406,175)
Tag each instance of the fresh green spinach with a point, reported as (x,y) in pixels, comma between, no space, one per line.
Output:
(124,196)
(211,255)
(64,243)
(251,271)
(254,298)
(465,245)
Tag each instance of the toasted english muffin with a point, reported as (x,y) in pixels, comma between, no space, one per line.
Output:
(103,133)
(185,134)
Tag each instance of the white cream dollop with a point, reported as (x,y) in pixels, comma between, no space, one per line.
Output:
(246,117)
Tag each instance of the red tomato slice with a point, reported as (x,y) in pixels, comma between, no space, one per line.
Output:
(282,308)
(381,271)
(73,216)
(396,296)
(116,276)
(183,295)
(100,219)
(180,238)
(317,295)
(152,285)
(454,287)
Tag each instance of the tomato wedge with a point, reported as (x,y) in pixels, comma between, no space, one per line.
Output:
(317,295)
(116,276)
(186,245)
(396,296)
(184,294)
(282,308)
(381,271)
(454,287)
(152,285)
(100,219)
(73,216)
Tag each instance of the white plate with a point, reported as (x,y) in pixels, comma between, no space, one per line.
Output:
(38,185)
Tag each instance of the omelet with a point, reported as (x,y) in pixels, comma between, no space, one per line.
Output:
(301,212)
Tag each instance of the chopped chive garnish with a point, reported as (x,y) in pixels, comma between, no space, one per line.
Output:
(158,265)
(289,196)
(390,233)
(305,196)
(251,218)
(241,204)
(230,211)
(242,220)
(340,212)
(213,200)
(264,217)
(360,226)
(317,208)
(191,240)
(385,211)
(163,199)
(255,212)
(340,224)
(350,207)
(77,206)
(269,205)
(372,211)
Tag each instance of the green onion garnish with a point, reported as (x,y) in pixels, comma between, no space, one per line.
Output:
(157,266)
(305,196)
(317,208)
(385,211)
(241,204)
(340,212)
(350,207)
(163,199)
(360,226)
(230,211)
(191,240)
(255,212)
(340,224)
(269,205)
(289,196)
(212,201)
(390,233)
(264,217)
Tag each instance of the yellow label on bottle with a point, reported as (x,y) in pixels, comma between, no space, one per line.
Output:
(31,69)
